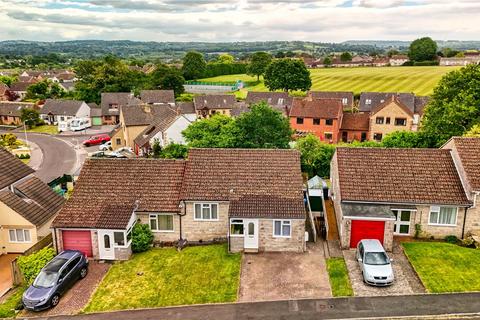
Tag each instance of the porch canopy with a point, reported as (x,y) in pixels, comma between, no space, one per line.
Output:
(368,210)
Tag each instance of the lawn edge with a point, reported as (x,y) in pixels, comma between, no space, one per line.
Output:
(428,291)
(347,273)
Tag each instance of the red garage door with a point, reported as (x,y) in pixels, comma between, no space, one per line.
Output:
(77,240)
(364,229)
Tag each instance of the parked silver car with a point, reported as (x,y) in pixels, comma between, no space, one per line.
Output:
(374,262)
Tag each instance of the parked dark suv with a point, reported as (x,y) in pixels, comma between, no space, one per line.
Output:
(55,279)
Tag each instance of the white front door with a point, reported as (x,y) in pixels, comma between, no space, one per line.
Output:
(402,222)
(105,245)
(251,233)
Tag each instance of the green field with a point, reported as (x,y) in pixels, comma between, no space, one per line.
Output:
(419,80)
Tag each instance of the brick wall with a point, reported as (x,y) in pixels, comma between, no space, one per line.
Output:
(318,130)
(353,135)
(391,111)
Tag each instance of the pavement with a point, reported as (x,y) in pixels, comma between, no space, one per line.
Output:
(6,272)
(78,296)
(415,306)
(284,275)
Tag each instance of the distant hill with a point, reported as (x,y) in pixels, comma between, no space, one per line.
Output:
(385,44)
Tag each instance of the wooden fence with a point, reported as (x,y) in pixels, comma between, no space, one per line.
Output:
(16,273)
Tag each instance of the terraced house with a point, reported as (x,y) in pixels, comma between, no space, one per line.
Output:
(252,199)
(380,193)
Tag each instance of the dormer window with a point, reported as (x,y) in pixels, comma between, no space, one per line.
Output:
(368,101)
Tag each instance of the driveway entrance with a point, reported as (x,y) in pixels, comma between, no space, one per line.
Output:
(6,272)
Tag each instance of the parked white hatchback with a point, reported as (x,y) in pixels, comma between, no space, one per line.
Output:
(374,262)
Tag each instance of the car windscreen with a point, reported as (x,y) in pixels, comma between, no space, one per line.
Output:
(376,258)
(45,279)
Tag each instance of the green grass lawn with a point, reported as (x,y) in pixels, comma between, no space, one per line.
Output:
(165,277)
(420,80)
(7,307)
(445,267)
(339,280)
(44,129)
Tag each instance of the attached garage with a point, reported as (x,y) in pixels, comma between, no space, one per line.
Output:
(365,229)
(78,240)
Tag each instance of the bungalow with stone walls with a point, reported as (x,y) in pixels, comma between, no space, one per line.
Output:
(252,199)
(11,112)
(378,193)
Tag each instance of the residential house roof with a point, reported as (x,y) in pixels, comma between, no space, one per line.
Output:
(3,88)
(333,95)
(65,76)
(95,109)
(186,107)
(112,101)
(13,109)
(406,176)
(420,104)
(157,96)
(107,191)
(239,108)
(357,121)
(382,211)
(317,108)
(272,98)
(247,177)
(61,107)
(144,115)
(392,99)
(19,86)
(162,123)
(214,101)
(11,169)
(34,200)
(265,206)
(68,86)
(468,149)
(399,57)
(371,100)
(29,79)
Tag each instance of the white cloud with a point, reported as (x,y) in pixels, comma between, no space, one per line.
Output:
(243,20)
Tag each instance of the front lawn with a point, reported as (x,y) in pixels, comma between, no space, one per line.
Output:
(50,129)
(339,280)
(165,277)
(445,267)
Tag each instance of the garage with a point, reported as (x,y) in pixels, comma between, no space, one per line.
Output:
(366,229)
(77,240)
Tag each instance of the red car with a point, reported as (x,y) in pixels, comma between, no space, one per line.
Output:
(98,139)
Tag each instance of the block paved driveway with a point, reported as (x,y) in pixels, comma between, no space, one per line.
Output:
(281,276)
(75,299)
(6,272)
(406,281)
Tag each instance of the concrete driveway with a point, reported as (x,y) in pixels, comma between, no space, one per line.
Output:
(6,272)
(78,296)
(406,281)
(281,276)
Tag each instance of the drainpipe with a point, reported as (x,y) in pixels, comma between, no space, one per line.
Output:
(464,222)
(183,212)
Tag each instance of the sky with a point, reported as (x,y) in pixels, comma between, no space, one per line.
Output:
(239,20)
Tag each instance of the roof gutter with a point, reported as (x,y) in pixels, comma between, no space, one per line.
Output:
(406,203)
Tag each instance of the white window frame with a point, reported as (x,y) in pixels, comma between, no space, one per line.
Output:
(204,205)
(399,223)
(24,231)
(282,222)
(239,223)
(344,101)
(155,216)
(438,209)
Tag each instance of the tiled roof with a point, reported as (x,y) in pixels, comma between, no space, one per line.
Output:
(13,109)
(264,206)
(420,104)
(359,121)
(33,200)
(392,99)
(469,153)
(214,101)
(107,189)
(20,86)
(3,88)
(223,174)
(317,108)
(157,96)
(333,95)
(61,107)
(159,125)
(11,169)
(272,98)
(118,99)
(186,107)
(377,98)
(419,176)
(144,115)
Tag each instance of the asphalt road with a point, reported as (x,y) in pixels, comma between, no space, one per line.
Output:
(430,305)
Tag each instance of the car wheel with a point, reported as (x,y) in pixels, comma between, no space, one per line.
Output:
(55,300)
(87,145)
(83,272)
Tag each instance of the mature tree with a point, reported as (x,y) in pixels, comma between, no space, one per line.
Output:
(327,61)
(449,52)
(392,52)
(30,117)
(214,132)
(194,65)
(225,58)
(174,151)
(315,155)
(405,139)
(262,127)
(473,132)
(280,54)
(423,49)
(287,74)
(455,105)
(346,56)
(44,89)
(289,54)
(7,80)
(167,78)
(259,62)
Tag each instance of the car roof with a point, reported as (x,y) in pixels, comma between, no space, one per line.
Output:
(372,245)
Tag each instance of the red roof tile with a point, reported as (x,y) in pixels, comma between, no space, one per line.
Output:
(317,108)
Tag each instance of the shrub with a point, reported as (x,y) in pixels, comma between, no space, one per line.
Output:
(451,239)
(425,63)
(31,265)
(418,230)
(142,237)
